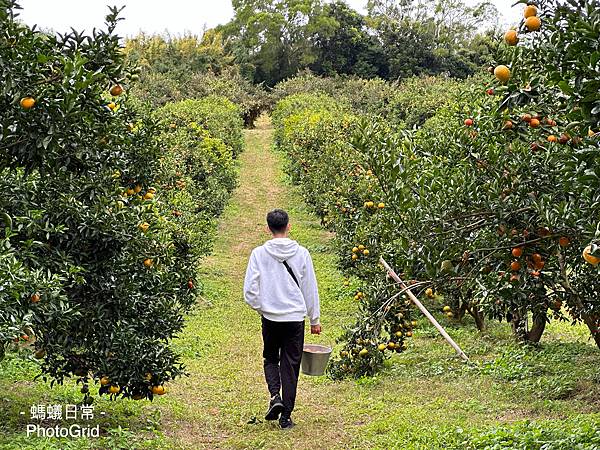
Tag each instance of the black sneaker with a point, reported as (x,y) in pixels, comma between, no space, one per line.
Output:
(275,408)
(286,423)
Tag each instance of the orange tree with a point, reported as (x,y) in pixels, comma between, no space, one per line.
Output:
(497,198)
(556,69)
(490,203)
(313,130)
(94,271)
(198,172)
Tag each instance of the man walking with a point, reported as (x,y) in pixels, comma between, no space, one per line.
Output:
(281,286)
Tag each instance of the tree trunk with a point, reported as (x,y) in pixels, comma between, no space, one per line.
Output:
(592,321)
(478,316)
(592,324)
(463,308)
(537,328)
(519,325)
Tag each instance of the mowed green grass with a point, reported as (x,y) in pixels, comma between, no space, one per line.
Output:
(509,397)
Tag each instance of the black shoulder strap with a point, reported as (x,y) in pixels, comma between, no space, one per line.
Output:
(291,272)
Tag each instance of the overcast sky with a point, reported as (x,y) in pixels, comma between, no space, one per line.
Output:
(154,16)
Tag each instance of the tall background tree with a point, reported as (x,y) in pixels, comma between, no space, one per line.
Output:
(432,38)
(346,46)
(272,40)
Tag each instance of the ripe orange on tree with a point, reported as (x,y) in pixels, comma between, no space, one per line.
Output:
(469,122)
(27,103)
(502,73)
(158,390)
(557,305)
(511,37)
(530,11)
(552,138)
(564,241)
(517,252)
(515,266)
(35,298)
(534,123)
(148,262)
(533,23)
(116,90)
(587,255)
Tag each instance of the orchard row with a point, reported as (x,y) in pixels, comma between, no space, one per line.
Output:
(490,203)
(107,205)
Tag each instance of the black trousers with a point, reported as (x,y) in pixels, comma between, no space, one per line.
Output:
(282,353)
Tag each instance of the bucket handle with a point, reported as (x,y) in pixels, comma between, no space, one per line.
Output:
(327,341)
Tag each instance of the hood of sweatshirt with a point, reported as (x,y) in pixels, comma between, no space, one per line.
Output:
(281,248)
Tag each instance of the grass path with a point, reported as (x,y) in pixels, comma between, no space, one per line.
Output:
(222,341)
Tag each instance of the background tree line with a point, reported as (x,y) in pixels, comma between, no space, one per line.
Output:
(268,41)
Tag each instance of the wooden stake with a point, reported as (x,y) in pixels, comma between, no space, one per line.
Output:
(427,314)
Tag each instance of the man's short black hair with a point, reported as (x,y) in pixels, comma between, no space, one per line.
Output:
(278,220)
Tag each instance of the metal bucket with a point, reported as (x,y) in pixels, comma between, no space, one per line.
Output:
(314,359)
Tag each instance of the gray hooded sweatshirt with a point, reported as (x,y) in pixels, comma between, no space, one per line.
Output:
(271,291)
